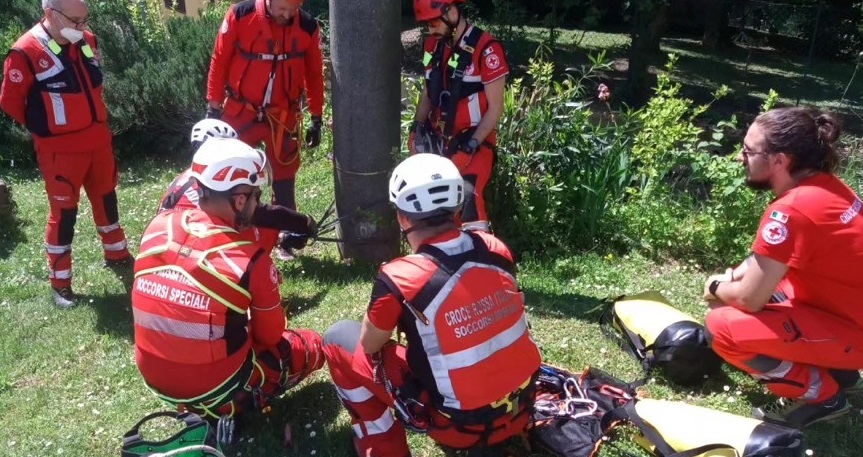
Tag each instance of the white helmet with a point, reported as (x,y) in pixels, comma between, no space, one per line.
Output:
(211,128)
(221,164)
(426,185)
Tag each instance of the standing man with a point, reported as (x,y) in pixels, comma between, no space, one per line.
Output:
(466,375)
(791,314)
(267,55)
(210,331)
(52,85)
(462,101)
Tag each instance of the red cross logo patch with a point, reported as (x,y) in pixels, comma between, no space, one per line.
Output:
(774,232)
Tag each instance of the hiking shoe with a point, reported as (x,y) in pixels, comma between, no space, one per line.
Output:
(800,414)
(849,380)
(63,297)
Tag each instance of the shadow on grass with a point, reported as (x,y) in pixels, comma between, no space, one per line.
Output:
(308,409)
(113,313)
(328,270)
(564,305)
(11,234)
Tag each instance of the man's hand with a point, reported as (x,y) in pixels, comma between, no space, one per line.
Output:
(312,228)
(313,135)
(469,147)
(213,112)
(724,277)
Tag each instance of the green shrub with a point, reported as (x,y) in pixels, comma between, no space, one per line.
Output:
(574,175)
(558,172)
(156,69)
(17,17)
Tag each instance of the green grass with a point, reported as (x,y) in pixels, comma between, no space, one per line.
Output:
(69,386)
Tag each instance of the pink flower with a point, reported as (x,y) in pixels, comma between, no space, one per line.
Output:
(603,93)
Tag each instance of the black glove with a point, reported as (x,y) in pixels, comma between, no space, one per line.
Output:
(312,230)
(470,146)
(313,135)
(213,113)
(293,241)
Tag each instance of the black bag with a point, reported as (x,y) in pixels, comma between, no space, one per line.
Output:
(660,336)
(197,439)
(577,431)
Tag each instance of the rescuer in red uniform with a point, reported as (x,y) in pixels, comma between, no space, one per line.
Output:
(266,57)
(52,85)
(210,332)
(267,220)
(458,111)
(465,376)
(790,314)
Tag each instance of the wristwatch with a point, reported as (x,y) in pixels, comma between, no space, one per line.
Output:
(471,146)
(713,286)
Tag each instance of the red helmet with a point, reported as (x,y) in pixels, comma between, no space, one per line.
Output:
(426,10)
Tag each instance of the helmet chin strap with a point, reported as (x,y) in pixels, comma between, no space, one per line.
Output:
(451,25)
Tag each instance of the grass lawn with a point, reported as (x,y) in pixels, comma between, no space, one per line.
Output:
(69,386)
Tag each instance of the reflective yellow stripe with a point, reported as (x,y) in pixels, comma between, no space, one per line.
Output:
(88,51)
(453,61)
(54,47)
(197,284)
(427,57)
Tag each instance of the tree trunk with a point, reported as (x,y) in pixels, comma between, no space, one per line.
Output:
(716,25)
(366,84)
(648,18)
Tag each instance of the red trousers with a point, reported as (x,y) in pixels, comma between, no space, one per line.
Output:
(275,370)
(369,403)
(789,346)
(278,131)
(65,173)
(476,170)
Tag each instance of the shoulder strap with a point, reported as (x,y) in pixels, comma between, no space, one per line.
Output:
(464,50)
(134,434)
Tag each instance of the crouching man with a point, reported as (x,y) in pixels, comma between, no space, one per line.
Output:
(466,374)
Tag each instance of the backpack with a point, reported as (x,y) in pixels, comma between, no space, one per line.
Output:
(658,335)
(197,439)
(574,415)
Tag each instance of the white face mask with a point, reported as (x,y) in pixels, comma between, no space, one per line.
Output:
(73,35)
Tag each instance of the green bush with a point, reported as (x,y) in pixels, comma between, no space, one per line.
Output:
(17,17)
(156,70)
(559,172)
(574,175)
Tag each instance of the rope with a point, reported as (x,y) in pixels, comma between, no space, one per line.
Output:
(360,173)
(198,447)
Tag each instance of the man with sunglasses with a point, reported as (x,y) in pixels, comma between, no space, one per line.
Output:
(210,333)
(462,101)
(267,56)
(790,315)
(52,85)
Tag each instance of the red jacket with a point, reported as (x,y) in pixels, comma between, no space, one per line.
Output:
(465,320)
(55,90)
(202,295)
(243,60)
